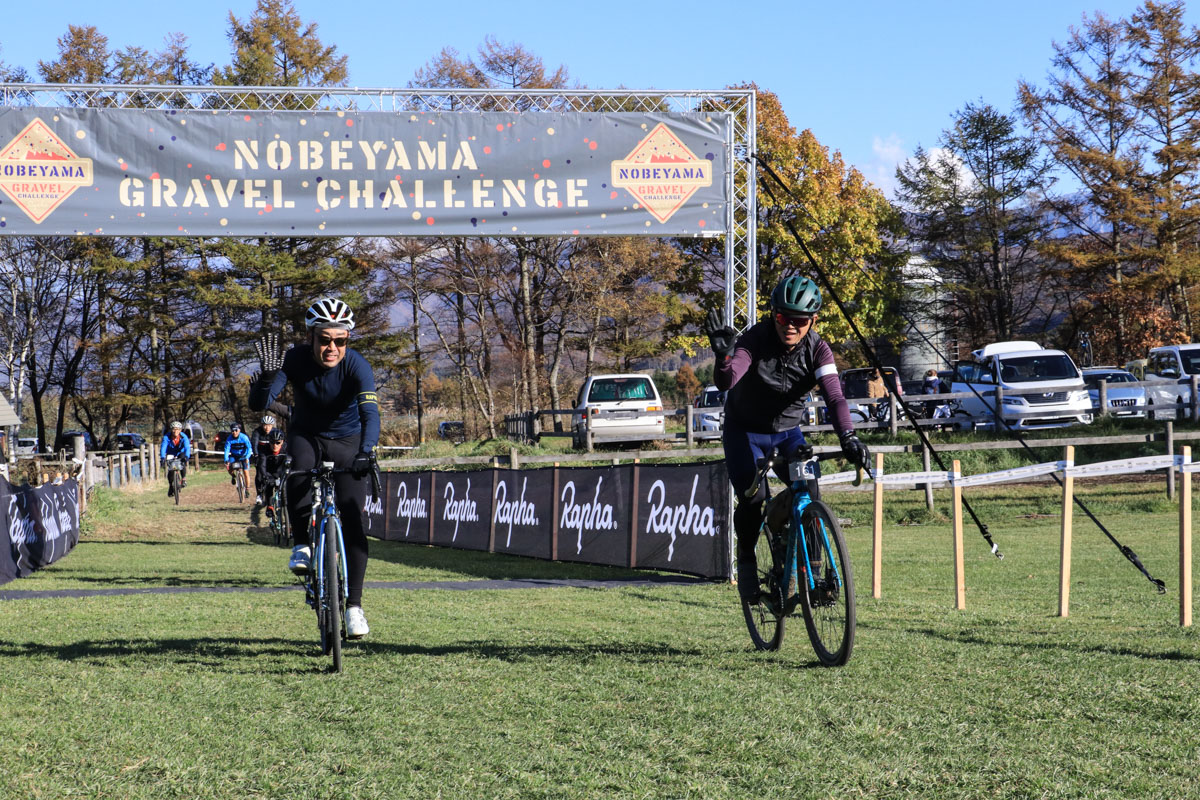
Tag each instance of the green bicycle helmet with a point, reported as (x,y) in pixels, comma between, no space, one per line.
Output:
(796,295)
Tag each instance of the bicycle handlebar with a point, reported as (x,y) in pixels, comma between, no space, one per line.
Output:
(318,471)
(765,465)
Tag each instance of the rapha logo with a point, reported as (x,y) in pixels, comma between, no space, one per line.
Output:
(459,511)
(680,520)
(410,508)
(592,517)
(662,173)
(372,507)
(517,512)
(38,171)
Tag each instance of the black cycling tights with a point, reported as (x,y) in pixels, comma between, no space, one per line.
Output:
(351,497)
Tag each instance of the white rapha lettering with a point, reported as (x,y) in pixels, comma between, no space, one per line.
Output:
(459,511)
(592,517)
(517,512)
(373,506)
(408,508)
(680,520)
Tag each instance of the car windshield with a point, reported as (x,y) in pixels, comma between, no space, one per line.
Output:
(1191,359)
(712,399)
(1092,379)
(613,389)
(1050,367)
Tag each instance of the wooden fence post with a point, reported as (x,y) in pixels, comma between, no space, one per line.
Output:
(877,533)
(1185,543)
(1170,450)
(960,582)
(929,486)
(691,415)
(894,408)
(1064,555)
(1102,411)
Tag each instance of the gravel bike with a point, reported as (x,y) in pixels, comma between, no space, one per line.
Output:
(275,497)
(803,563)
(174,466)
(326,585)
(239,479)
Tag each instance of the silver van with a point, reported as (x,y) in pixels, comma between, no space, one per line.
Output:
(1041,388)
(1174,365)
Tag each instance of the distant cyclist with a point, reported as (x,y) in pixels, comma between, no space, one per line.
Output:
(176,444)
(335,417)
(768,370)
(260,446)
(237,451)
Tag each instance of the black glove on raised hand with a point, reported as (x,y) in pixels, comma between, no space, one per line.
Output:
(854,450)
(361,465)
(721,337)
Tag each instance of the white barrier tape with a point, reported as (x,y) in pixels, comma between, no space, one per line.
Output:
(914,477)
(1004,476)
(1124,466)
(840,477)
(1191,466)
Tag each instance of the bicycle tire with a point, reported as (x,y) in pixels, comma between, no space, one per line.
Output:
(765,617)
(333,590)
(281,515)
(173,479)
(828,609)
(241,484)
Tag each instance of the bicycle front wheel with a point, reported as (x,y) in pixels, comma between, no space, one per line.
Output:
(173,479)
(765,616)
(828,607)
(241,484)
(333,591)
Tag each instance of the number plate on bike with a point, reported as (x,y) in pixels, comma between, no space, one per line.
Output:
(803,470)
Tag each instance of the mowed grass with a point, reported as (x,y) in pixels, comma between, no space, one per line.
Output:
(633,692)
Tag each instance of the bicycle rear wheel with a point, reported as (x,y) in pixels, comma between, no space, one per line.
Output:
(333,591)
(828,608)
(765,617)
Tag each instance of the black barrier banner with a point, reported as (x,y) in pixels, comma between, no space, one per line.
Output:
(464,508)
(407,506)
(42,525)
(176,172)
(682,513)
(375,513)
(8,566)
(522,512)
(594,508)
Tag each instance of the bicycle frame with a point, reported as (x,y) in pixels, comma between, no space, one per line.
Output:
(801,474)
(324,505)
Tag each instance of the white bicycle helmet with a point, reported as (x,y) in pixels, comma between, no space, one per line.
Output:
(269,419)
(176,425)
(329,312)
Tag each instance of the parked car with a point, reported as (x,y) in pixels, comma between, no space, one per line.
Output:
(709,414)
(66,441)
(1042,388)
(219,440)
(453,430)
(130,441)
(617,405)
(1137,367)
(1175,364)
(26,446)
(1123,400)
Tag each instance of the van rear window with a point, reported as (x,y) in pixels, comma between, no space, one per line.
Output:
(614,389)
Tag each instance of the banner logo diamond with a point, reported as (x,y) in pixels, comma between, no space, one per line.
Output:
(662,173)
(38,171)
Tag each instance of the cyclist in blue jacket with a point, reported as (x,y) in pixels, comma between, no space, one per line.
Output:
(176,445)
(335,417)
(237,450)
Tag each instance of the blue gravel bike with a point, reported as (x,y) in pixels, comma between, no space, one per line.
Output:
(803,563)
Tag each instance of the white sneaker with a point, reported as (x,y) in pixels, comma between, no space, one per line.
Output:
(356,623)
(258,500)
(301,560)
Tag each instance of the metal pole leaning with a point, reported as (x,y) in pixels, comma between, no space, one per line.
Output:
(1064,560)
(877,533)
(960,583)
(1185,541)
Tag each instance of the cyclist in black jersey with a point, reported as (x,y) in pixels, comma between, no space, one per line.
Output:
(768,371)
(335,417)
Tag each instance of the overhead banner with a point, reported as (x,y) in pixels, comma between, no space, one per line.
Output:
(672,517)
(126,172)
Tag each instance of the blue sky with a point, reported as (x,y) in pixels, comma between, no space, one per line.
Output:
(871,79)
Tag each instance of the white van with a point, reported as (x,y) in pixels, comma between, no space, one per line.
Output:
(617,405)
(1041,388)
(1176,363)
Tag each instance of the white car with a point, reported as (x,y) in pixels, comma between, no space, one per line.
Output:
(626,407)
(708,415)
(1174,365)
(26,446)
(1123,399)
(1041,388)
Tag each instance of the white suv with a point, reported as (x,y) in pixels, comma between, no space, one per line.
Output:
(1176,363)
(1041,388)
(617,406)
(709,413)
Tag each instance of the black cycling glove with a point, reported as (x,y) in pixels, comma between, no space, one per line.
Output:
(854,450)
(362,465)
(721,337)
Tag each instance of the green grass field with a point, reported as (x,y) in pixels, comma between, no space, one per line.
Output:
(633,692)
